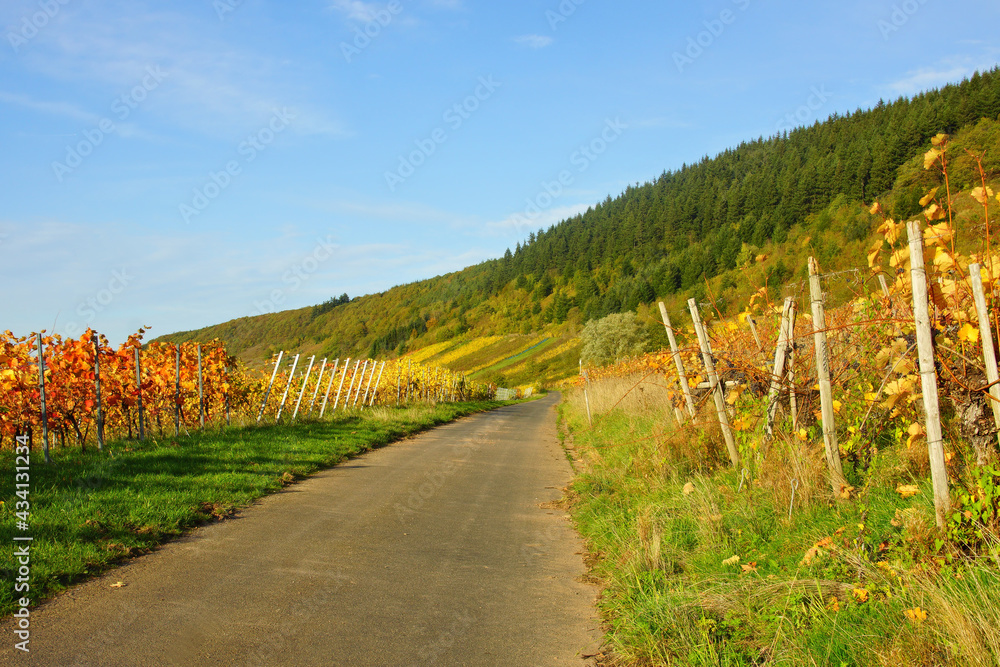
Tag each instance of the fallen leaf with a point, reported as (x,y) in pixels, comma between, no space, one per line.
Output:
(833,604)
(968,333)
(860,594)
(118,584)
(917,615)
(907,490)
(732,560)
(688,489)
(749,567)
(845,492)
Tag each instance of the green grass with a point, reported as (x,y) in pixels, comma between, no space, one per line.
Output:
(670,598)
(91,510)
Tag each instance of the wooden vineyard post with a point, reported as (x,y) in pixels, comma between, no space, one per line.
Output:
(986,336)
(340,387)
(778,372)
(97,393)
(267,392)
(302,391)
(756,336)
(792,398)
(377,383)
(41,396)
(713,378)
(329,384)
(319,381)
(284,396)
(678,362)
(830,443)
(177,391)
(201,392)
(409,377)
(399,380)
(883,285)
(928,376)
(138,395)
(586,398)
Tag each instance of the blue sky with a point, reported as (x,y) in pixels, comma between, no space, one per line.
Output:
(178,164)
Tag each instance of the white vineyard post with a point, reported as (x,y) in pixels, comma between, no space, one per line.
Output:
(267,393)
(138,401)
(329,384)
(340,387)
(377,383)
(928,375)
(97,393)
(284,396)
(201,392)
(319,381)
(302,391)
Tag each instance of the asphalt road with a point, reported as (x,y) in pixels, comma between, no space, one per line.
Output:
(438,550)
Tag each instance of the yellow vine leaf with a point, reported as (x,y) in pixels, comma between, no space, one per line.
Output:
(874,252)
(939,139)
(934,212)
(907,490)
(981,195)
(930,157)
(929,197)
(968,333)
(875,209)
(900,257)
(938,234)
(890,230)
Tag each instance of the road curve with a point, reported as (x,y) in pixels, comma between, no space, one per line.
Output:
(437,550)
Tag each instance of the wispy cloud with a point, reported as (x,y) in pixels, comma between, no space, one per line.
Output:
(518,223)
(952,70)
(356,10)
(534,41)
(54,108)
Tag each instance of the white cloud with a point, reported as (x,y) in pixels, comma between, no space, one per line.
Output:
(356,10)
(952,70)
(54,108)
(534,41)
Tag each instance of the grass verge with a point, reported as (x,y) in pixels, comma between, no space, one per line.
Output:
(703,566)
(90,510)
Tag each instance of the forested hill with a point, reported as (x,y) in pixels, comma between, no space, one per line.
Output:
(663,239)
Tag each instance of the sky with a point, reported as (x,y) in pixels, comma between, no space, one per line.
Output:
(178,164)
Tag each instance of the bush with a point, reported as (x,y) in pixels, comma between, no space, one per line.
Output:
(611,338)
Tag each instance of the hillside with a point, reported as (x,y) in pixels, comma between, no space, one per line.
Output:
(729,224)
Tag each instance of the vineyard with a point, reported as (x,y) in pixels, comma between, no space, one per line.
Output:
(90,391)
(829,466)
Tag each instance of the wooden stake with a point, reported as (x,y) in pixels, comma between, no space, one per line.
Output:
(717,391)
(201,393)
(41,393)
(678,362)
(97,393)
(350,387)
(986,336)
(778,372)
(793,403)
(830,444)
(357,393)
(364,401)
(928,376)
(267,393)
(138,395)
(177,393)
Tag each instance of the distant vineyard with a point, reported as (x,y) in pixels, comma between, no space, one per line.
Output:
(94,391)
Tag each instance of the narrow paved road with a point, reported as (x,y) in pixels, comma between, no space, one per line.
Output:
(438,550)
